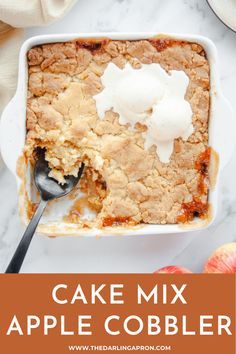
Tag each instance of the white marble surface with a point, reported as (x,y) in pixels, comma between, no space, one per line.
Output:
(131,254)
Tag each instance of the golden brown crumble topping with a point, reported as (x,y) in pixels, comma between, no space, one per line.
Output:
(124,182)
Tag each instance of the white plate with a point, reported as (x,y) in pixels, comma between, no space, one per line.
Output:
(225,11)
(12,135)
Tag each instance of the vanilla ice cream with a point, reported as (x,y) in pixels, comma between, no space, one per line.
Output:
(149,96)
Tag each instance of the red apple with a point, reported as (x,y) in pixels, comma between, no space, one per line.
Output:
(223,260)
(173,270)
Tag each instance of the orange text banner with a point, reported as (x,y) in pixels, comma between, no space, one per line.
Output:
(63,313)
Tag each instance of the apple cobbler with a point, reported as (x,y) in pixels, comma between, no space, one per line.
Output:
(130,177)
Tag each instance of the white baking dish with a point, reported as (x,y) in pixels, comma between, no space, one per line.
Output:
(12,135)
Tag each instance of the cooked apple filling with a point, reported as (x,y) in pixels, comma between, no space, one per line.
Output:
(125,180)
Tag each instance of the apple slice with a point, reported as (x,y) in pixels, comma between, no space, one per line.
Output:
(223,260)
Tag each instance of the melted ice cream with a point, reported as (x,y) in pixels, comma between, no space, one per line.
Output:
(149,96)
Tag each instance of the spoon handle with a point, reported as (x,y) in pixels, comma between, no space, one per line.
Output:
(18,258)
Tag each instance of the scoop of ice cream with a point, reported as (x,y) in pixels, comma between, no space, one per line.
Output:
(150,96)
(135,95)
(170,119)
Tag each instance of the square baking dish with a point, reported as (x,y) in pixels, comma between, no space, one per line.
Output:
(13,132)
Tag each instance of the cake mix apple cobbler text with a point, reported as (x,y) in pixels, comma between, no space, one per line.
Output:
(114,321)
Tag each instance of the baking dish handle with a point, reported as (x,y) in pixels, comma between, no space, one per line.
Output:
(224,128)
(12,133)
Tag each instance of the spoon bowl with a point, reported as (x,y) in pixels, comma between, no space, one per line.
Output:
(47,186)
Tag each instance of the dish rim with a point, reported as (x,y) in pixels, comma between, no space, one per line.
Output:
(15,142)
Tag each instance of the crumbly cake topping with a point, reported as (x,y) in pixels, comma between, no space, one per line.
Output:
(62,118)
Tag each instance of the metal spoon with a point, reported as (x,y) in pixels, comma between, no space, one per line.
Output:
(49,189)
